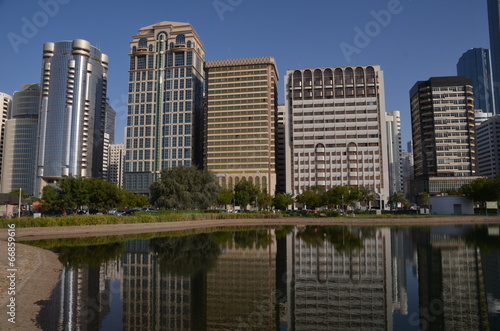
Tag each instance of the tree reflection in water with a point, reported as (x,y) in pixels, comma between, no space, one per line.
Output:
(186,256)
(344,239)
(75,257)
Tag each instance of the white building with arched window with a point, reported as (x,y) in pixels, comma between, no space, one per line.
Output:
(336,129)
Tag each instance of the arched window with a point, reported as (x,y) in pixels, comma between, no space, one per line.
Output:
(134,49)
(370,75)
(151,48)
(161,36)
(307,78)
(328,77)
(297,78)
(264,183)
(349,76)
(189,44)
(360,76)
(171,46)
(318,78)
(257,182)
(143,43)
(180,39)
(339,77)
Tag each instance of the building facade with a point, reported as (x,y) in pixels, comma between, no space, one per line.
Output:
(488,147)
(165,103)
(240,121)
(281,150)
(475,64)
(116,164)
(19,165)
(443,131)
(337,130)
(394,152)
(494,29)
(72,112)
(6,104)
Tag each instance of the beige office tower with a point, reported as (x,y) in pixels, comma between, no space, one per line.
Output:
(241,105)
(116,164)
(337,129)
(165,103)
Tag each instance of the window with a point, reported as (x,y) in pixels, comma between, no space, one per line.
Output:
(143,43)
(179,59)
(189,58)
(141,62)
(180,39)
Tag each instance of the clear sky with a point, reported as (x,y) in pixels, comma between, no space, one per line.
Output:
(411,40)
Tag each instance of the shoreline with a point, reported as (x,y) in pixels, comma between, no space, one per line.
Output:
(39,233)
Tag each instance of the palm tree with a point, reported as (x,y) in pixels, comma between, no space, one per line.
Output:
(395,199)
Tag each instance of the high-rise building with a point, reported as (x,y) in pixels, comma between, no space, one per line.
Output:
(6,104)
(72,112)
(240,121)
(109,126)
(393,122)
(488,147)
(494,29)
(19,165)
(281,149)
(475,64)
(165,103)
(116,164)
(444,143)
(336,124)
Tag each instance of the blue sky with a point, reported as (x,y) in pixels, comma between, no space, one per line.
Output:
(410,39)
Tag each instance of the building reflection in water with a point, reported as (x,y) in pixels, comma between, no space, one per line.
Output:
(314,278)
(452,286)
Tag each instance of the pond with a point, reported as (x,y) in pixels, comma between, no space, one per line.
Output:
(281,278)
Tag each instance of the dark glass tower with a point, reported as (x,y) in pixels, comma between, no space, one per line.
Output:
(475,64)
(494,27)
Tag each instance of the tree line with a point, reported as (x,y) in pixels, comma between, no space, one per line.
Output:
(188,188)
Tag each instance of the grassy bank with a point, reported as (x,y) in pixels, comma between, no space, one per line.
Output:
(72,220)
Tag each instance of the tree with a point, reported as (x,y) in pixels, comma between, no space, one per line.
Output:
(264,200)
(313,197)
(395,199)
(282,201)
(366,195)
(245,193)
(482,189)
(184,188)
(226,197)
(51,199)
(18,191)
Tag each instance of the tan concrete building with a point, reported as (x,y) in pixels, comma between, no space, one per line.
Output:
(241,105)
(337,129)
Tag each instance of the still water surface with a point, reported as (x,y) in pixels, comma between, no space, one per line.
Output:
(286,278)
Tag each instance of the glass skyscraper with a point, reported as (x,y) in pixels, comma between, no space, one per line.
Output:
(21,130)
(494,27)
(475,64)
(165,103)
(72,112)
